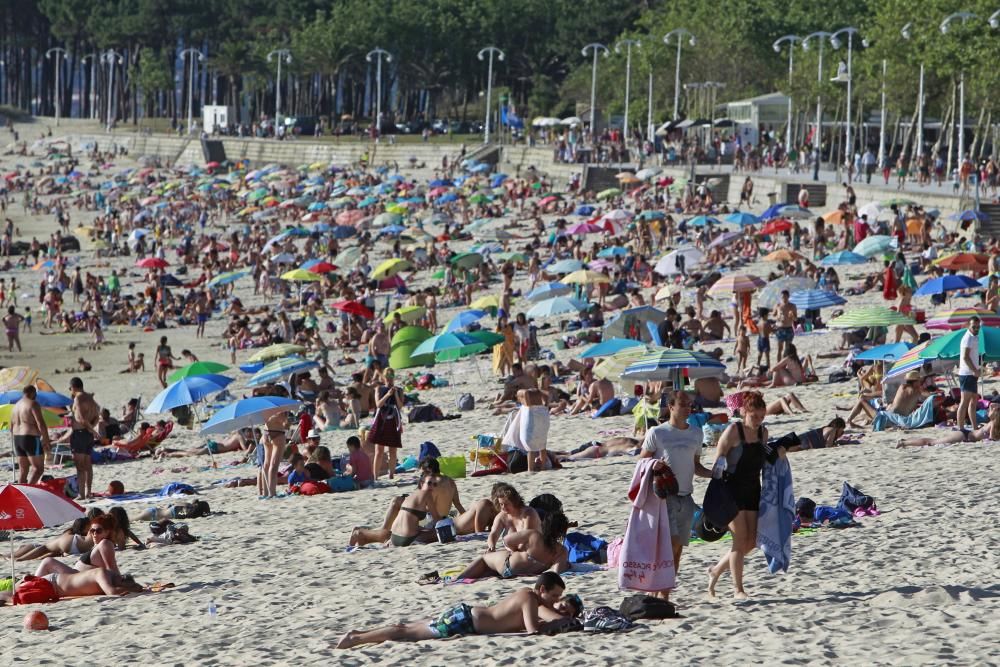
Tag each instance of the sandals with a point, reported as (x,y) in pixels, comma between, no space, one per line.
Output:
(429,578)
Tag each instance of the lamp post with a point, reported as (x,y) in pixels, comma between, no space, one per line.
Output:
(94,57)
(58,51)
(378,54)
(597,49)
(679,34)
(945,25)
(201,58)
(907,34)
(791,40)
(821,37)
(491,50)
(628,43)
(835,42)
(111,57)
(280,55)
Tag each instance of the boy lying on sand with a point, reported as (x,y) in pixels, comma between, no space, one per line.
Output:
(525,610)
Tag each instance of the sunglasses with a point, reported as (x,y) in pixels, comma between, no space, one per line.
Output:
(96,530)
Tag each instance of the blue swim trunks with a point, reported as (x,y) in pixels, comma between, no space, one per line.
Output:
(453,622)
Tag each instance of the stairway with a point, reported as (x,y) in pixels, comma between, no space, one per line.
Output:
(817,193)
(990,228)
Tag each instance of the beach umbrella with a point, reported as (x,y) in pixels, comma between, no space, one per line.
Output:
(559,305)
(348,256)
(898,201)
(353,308)
(515,257)
(276,351)
(227,278)
(545,291)
(869,316)
(652,215)
(46,399)
(410,334)
(584,277)
(947,283)
(196,369)
(613,251)
(186,391)
(152,263)
(401,356)
(487,338)
(584,209)
(725,239)
(795,212)
(301,276)
(387,219)
(835,217)
(814,299)
(611,367)
(887,352)
(648,173)
(471,346)
(703,220)
(466,260)
(843,257)
(964,261)
(565,266)
(735,282)
(668,265)
(395,282)
(632,322)
(970,216)
(777,226)
(667,364)
(170,280)
(583,228)
(452,341)
(464,319)
(280,370)
(912,361)
(608,194)
(486,302)
(949,346)
(873,210)
(742,219)
(283,258)
(958,318)
(29,507)
(247,413)
(319,266)
(770,296)
(408,314)
(783,255)
(19,377)
(666,292)
(611,346)
(875,245)
(390,267)
(774,211)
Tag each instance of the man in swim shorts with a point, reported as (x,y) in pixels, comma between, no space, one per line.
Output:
(85,414)
(31,436)
(786,313)
(525,610)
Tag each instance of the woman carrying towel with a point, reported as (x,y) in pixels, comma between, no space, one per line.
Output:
(387,429)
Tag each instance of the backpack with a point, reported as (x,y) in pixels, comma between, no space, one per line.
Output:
(425,413)
(605,619)
(466,402)
(646,606)
(428,450)
(852,498)
(34,590)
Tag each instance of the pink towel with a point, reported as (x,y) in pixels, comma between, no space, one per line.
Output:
(647,559)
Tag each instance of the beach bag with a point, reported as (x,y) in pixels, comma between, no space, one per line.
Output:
(646,606)
(34,590)
(445,529)
(341,483)
(852,498)
(312,488)
(428,450)
(425,413)
(611,408)
(452,466)
(719,506)
(534,427)
(466,402)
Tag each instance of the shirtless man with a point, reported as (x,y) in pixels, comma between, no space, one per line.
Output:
(525,610)
(365,394)
(378,346)
(907,399)
(85,415)
(786,313)
(600,392)
(714,327)
(96,581)
(202,309)
(692,323)
(12,327)
(518,380)
(31,436)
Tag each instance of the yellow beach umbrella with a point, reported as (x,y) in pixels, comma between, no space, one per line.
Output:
(389,268)
(301,276)
(584,277)
(408,314)
(276,351)
(16,378)
(50,418)
(484,302)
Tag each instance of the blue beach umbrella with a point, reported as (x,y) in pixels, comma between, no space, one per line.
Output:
(47,399)
(887,352)
(667,364)
(843,257)
(559,305)
(703,220)
(187,391)
(585,209)
(227,278)
(246,413)
(280,370)
(814,299)
(545,291)
(948,283)
(464,319)
(445,342)
(608,347)
(613,251)
(565,266)
(742,219)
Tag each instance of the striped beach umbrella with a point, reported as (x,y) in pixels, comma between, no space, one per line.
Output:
(280,370)
(667,364)
(736,282)
(770,296)
(875,245)
(869,316)
(911,361)
(843,257)
(814,299)
(949,346)
(958,318)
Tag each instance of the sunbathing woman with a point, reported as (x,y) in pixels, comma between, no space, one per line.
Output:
(72,542)
(480,515)
(122,531)
(619,445)
(989,431)
(526,552)
(192,510)
(236,442)
(821,438)
(789,404)
(514,516)
(416,507)
(102,555)
(790,370)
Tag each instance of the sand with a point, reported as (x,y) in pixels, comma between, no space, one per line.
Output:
(916,585)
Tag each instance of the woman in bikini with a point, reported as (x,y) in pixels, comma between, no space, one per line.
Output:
(989,431)
(789,371)
(101,555)
(72,542)
(164,360)
(274,447)
(415,508)
(526,552)
(514,516)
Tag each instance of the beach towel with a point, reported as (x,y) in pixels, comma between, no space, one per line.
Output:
(583,548)
(922,416)
(776,516)
(177,488)
(647,561)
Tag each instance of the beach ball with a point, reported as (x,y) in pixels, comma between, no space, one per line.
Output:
(36,620)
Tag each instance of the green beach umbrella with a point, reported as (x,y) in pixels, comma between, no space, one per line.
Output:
(197,368)
(608,194)
(402,356)
(949,345)
(871,316)
(415,335)
(466,260)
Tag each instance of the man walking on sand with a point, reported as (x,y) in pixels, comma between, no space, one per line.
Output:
(85,414)
(968,376)
(31,436)
(678,444)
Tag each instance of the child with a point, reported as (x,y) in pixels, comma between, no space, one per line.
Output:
(764,341)
(27,320)
(359,465)
(298,472)
(742,349)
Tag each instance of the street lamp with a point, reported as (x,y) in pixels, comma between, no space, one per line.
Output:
(491,50)
(111,57)
(835,43)
(59,51)
(679,34)
(629,43)
(945,24)
(281,55)
(821,37)
(597,49)
(201,58)
(379,53)
(94,57)
(905,32)
(791,40)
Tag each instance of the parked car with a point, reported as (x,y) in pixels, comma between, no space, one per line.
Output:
(415,126)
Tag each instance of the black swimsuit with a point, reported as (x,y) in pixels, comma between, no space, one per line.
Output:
(744,481)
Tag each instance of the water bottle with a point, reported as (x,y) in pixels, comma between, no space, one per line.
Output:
(212,611)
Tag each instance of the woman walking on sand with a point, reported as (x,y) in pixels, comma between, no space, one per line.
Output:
(387,429)
(164,360)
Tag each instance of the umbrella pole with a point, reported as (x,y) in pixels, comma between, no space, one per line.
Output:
(13,477)
(11,535)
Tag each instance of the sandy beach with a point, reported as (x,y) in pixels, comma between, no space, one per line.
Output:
(916,585)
